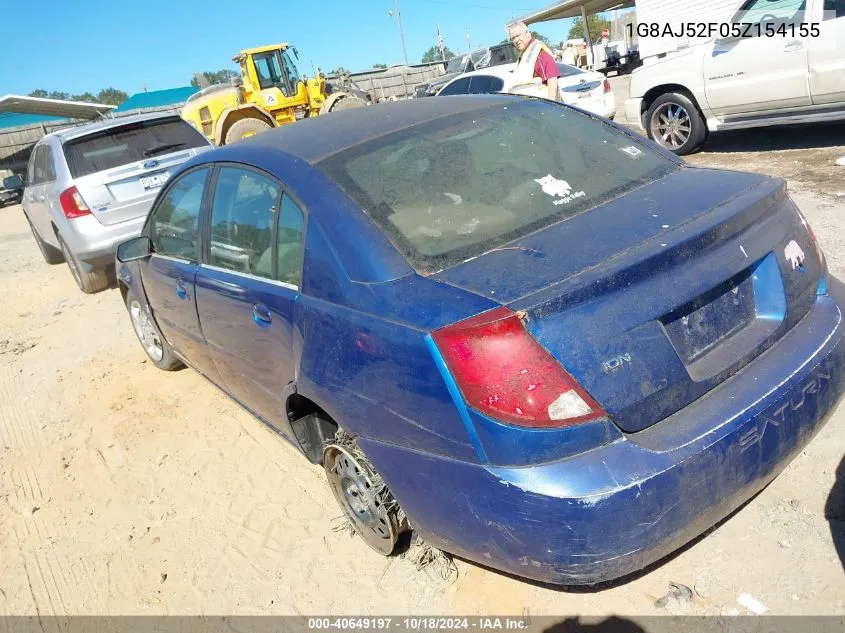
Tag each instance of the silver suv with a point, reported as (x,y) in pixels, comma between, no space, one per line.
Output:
(88,188)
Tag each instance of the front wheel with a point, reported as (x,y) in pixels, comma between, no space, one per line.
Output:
(673,122)
(157,349)
(246,128)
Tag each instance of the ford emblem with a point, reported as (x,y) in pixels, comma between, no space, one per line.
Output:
(150,164)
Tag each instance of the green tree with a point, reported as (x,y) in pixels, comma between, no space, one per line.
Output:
(57,94)
(40,93)
(596,24)
(112,96)
(433,55)
(379,65)
(216,77)
(85,96)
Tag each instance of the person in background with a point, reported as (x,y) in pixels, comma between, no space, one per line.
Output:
(535,59)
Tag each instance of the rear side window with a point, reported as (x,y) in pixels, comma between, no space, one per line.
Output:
(451,189)
(457,87)
(129,143)
(290,240)
(242,218)
(485,84)
(834,9)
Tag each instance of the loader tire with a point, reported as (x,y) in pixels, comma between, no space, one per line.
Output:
(245,128)
(344,103)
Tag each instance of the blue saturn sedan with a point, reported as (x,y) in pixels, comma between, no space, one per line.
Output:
(531,337)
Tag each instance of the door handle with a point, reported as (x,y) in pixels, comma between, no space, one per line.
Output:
(261,314)
(181,292)
(794,45)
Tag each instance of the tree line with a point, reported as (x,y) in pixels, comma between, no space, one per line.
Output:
(110,96)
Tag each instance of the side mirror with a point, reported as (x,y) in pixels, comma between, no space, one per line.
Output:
(136,248)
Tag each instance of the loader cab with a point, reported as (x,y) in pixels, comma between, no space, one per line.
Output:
(270,73)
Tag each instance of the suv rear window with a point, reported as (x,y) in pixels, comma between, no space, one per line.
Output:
(451,189)
(137,141)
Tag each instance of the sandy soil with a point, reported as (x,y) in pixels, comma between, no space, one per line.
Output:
(126,490)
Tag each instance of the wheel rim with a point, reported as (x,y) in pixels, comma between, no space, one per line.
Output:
(146,332)
(671,125)
(71,263)
(352,483)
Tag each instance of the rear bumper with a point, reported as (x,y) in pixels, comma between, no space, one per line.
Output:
(612,511)
(93,243)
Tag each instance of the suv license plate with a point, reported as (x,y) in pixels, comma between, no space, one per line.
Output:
(154,182)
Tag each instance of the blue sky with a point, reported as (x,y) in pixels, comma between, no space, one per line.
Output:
(93,44)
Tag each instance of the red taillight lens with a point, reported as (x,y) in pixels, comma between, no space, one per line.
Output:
(72,204)
(606,86)
(502,371)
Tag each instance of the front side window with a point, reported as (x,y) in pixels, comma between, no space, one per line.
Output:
(174,226)
(451,189)
(242,216)
(485,84)
(268,66)
(771,12)
(293,73)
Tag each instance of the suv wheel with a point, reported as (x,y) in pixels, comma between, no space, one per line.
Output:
(88,283)
(673,122)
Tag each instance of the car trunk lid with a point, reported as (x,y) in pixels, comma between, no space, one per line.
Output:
(652,299)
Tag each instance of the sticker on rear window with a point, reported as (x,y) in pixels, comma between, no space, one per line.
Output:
(558,188)
(631,150)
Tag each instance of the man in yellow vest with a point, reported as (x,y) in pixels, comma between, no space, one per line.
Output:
(536,62)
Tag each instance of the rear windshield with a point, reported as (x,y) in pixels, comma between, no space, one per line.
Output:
(128,144)
(449,190)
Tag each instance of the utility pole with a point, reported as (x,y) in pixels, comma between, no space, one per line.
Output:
(398,17)
(440,43)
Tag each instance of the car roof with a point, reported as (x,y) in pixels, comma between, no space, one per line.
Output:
(313,140)
(105,124)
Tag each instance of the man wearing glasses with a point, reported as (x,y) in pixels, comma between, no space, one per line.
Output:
(535,60)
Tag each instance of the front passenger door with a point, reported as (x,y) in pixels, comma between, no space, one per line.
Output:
(760,73)
(169,273)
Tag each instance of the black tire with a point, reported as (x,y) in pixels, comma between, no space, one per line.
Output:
(51,254)
(155,347)
(347,103)
(89,283)
(674,122)
(245,128)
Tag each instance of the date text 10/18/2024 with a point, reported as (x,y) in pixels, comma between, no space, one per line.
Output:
(725,30)
(419,624)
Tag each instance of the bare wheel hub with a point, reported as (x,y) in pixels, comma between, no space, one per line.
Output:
(363,496)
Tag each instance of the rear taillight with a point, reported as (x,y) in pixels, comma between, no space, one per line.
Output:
(606,86)
(817,249)
(72,204)
(503,372)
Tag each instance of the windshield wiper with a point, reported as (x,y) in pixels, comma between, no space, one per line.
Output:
(155,149)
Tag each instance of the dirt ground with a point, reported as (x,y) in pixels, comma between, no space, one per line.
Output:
(126,490)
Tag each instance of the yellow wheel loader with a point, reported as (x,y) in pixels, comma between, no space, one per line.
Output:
(269,93)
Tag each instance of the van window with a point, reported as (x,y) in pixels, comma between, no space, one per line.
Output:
(130,143)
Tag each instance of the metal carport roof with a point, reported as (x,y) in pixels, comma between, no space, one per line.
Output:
(53,107)
(573,8)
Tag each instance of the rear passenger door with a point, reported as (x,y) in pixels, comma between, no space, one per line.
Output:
(827,53)
(248,285)
(35,202)
(168,274)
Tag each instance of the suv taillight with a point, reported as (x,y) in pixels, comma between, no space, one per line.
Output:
(503,372)
(72,204)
